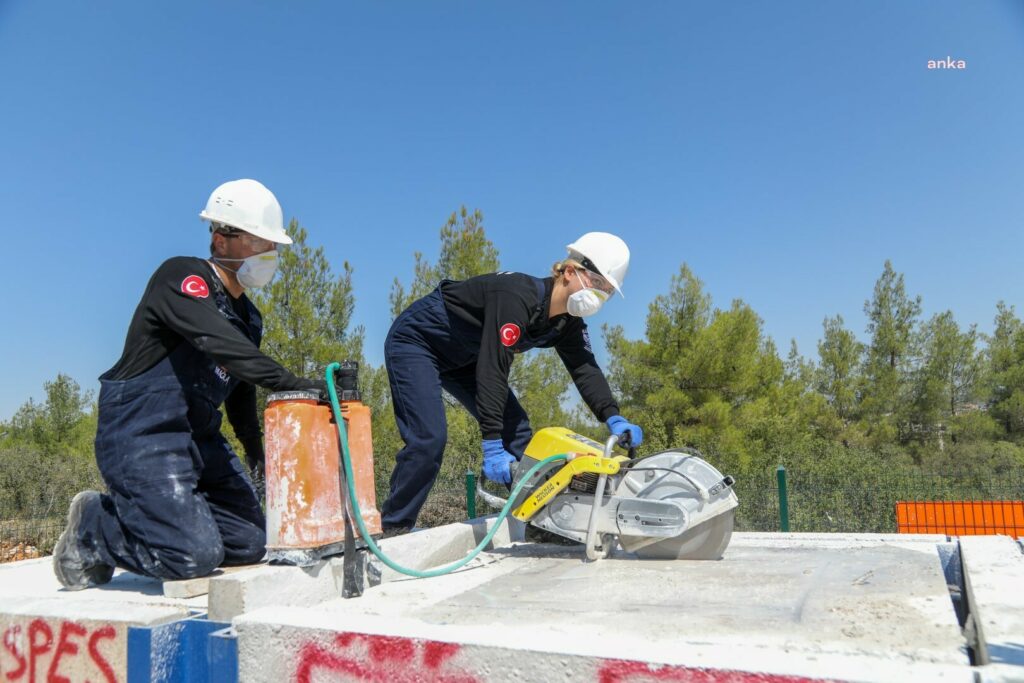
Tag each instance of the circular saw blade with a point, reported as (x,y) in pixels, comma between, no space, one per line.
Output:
(706,541)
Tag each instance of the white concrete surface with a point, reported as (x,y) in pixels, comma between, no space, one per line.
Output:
(994,579)
(871,609)
(858,607)
(35,579)
(777,538)
(1000,673)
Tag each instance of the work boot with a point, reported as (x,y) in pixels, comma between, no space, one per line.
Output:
(74,562)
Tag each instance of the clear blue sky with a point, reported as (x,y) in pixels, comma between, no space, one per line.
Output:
(783,149)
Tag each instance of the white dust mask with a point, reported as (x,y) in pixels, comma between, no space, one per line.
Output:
(585,302)
(255,271)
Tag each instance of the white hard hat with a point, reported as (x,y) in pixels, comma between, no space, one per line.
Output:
(249,206)
(605,254)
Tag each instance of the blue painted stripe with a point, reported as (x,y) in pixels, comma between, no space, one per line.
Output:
(182,651)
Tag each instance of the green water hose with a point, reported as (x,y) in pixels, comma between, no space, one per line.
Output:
(350,480)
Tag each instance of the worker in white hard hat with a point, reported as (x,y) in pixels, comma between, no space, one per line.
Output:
(179,502)
(463,337)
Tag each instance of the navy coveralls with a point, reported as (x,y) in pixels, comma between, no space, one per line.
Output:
(430,347)
(179,502)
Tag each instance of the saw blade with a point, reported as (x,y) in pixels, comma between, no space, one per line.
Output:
(706,541)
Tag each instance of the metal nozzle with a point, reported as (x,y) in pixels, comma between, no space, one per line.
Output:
(348,380)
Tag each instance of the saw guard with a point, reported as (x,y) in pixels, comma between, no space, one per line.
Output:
(697,486)
(706,541)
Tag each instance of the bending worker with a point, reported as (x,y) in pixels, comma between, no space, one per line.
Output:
(462,338)
(179,503)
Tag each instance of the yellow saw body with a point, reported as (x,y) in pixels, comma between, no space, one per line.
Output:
(669,505)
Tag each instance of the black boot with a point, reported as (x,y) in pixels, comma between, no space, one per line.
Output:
(74,562)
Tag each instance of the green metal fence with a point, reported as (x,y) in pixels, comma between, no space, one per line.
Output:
(853,502)
(773,500)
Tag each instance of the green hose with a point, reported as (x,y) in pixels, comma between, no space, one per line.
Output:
(350,480)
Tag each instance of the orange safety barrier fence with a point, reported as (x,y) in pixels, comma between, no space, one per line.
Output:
(961,518)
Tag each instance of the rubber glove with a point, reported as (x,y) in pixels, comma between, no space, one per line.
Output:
(619,425)
(497,462)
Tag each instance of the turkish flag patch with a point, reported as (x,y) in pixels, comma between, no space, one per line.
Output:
(509,334)
(195,286)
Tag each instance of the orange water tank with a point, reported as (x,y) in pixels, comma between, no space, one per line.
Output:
(304,515)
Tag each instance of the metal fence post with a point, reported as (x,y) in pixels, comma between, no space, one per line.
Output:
(470,494)
(780,473)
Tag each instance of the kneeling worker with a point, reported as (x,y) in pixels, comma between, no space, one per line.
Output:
(179,503)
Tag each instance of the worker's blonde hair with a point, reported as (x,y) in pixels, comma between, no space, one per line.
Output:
(559,266)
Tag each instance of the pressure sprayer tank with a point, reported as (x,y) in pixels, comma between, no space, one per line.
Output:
(304,515)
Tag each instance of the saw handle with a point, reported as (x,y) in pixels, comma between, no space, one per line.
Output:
(626,442)
(593,553)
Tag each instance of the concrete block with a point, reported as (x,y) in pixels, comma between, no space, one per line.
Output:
(190,588)
(239,592)
(47,632)
(50,638)
(994,578)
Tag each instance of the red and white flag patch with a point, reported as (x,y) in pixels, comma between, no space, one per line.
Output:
(509,334)
(195,286)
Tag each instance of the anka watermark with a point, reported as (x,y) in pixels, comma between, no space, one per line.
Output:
(947,63)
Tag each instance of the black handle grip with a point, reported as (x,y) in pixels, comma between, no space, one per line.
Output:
(626,442)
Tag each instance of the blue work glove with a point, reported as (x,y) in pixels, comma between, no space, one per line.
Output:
(618,426)
(497,462)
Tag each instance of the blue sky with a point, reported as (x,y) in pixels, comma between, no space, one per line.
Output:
(784,150)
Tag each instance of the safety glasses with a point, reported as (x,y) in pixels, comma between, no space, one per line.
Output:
(596,281)
(257,244)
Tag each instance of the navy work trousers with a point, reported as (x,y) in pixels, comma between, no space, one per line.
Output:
(179,502)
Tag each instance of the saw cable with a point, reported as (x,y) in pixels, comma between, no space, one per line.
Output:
(358,514)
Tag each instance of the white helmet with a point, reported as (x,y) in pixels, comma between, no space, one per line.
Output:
(249,206)
(605,254)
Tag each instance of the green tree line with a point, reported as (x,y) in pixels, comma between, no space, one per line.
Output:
(905,396)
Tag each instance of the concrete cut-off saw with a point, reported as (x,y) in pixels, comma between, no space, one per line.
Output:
(668,505)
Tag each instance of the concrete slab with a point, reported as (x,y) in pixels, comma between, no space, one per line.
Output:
(868,609)
(48,632)
(994,579)
(921,542)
